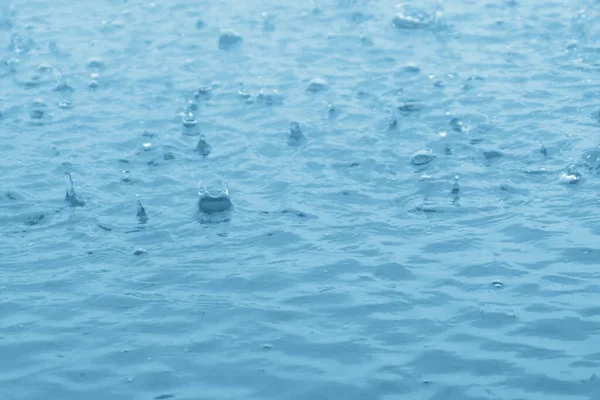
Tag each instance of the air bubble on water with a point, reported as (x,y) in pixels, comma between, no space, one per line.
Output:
(229,39)
(316,85)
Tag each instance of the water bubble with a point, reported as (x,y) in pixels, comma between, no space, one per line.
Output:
(316,85)
(422,157)
(229,39)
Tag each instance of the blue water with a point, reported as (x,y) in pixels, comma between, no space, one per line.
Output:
(430,228)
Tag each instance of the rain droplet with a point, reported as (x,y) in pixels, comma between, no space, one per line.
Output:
(422,157)
(296,135)
(229,39)
(455,188)
(141,215)
(497,285)
(203,147)
(71,197)
(316,85)
(213,203)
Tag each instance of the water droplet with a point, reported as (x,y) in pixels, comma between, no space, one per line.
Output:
(456,124)
(572,176)
(296,135)
(65,104)
(95,62)
(93,85)
(71,197)
(455,188)
(229,39)
(212,203)
(141,215)
(497,285)
(422,157)
(316,85)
